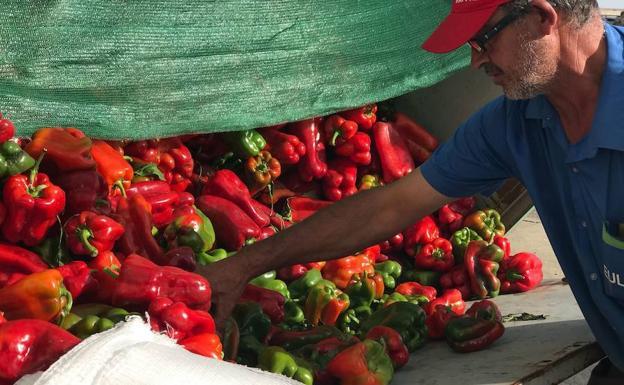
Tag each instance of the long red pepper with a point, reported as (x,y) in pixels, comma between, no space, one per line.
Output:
(312,165)
(396,161)
(233,227)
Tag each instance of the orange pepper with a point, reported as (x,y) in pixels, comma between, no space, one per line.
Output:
(68,148)
(205,344)
(111,165)
(340,271)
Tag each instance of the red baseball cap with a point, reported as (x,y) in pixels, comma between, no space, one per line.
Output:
(467,17)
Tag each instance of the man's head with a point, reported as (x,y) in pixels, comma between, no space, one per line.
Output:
(516,42)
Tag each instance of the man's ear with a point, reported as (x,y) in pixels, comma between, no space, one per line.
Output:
(548,16)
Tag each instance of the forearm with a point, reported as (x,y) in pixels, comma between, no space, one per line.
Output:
(345,227)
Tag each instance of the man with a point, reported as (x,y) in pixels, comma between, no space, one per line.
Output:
(559,129)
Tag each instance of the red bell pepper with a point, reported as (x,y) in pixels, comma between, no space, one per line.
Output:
(364,116)
(312,165)
(226,184)
(521,272)
(414,131)
(340,270)
(89,233)
(111,165)
(300,207)
(337,130)
(477,329)
(291,273)
(16,260)
(339,182)
(394,244)
(416,289)
(436,321)
(392,342)
(365,363)
(504,244)
(457,278)
(77,278)
(68,148)
(31,345)
(449,220)
(396,161)
(39,295)
(32,203)
(141,281)
(482,271)
(422,232)
(134,214)
(85,190)
(233,227)
(105,268)
(261,170)
(162,199)
(464,206)
(288,149)
(177,320)
(272,302)
(7,129)
(451,298)
(324,303)
(485,309)
(436,256)
(357,149)
(206,344)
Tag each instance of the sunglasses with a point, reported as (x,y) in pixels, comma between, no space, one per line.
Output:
(479,42)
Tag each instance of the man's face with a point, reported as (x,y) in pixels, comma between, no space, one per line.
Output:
(515,59)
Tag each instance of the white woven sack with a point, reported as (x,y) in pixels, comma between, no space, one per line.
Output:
(131,353)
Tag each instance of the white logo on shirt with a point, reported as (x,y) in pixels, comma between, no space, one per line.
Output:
(613,278)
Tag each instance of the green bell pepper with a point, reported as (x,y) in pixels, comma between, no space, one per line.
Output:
(390,271)
(253,327)
(349,321)
(406,318)
(361,291)
(293,315)
(88,319)
(460,240)
(276,360)
(299,288)
(268,281)
(14,160)
(212,256)
(486,223)
(245,143)
(424,277)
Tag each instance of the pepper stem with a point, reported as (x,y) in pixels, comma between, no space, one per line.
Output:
(119,185)
(335,136)
(514,276)
(84,234)
(32,178)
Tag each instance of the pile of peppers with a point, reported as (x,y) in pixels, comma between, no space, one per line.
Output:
(95,231)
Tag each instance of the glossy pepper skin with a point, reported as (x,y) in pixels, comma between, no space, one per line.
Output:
(339,182)
(226,184)
(449,221)
(390,271)
(437,321)
(340,270)
(245,143)
(111,165)
(299,288)
(177,320)
(481,272)
(364,116)
(288,149)
(521,272)
(368,181)
(89,233)
(233,228)
(16,260)
(300,207)
(39,295)
(337,129)
(460,240)
(457,278)
(163,200)
(392,342)
(88,319)
(206,344)
(14,160)
(319,354)
(406,318)
(422,232)
(271,301)
(269,281)
(191,228)
(365,363)
(134,214)
(7,129)
(30,345)
(312,165)
(68,148)
(437,255)
(324,303)
(416,289)
(276,360)
(362,290)
(476,330)
(77,278)
(451,298)
(294,272)
(261,170)
(396,161)
(141,281)
(105,268)
(357,149)
(32,203)
(486,223)
(504,244)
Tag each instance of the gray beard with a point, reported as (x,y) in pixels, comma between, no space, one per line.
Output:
(534,73)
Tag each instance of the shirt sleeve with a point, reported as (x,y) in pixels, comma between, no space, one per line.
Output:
(473,160)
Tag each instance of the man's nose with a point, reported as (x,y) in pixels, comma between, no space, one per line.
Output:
(477,59)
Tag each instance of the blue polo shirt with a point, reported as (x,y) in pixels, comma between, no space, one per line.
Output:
(577,189)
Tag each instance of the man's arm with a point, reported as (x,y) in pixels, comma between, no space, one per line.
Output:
(347,226)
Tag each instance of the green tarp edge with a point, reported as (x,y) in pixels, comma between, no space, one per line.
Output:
(156,68)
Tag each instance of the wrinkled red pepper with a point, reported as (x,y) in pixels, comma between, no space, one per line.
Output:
(272,302)
(339,182)
(77,278)
(422,232)
(416,289)
(177,320)
(226,184)
(31,345)
(233,227)
(357,149)
(396,161)
(451,298)
(436,256)
(312,165)
(457,278)
(340,270)
(288,149)
(337,130)
(134,214)
(449,220)
(364,116)
(141,281)
(436,321)
(521,272)
(393,343)
(89,233)
(32,203)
